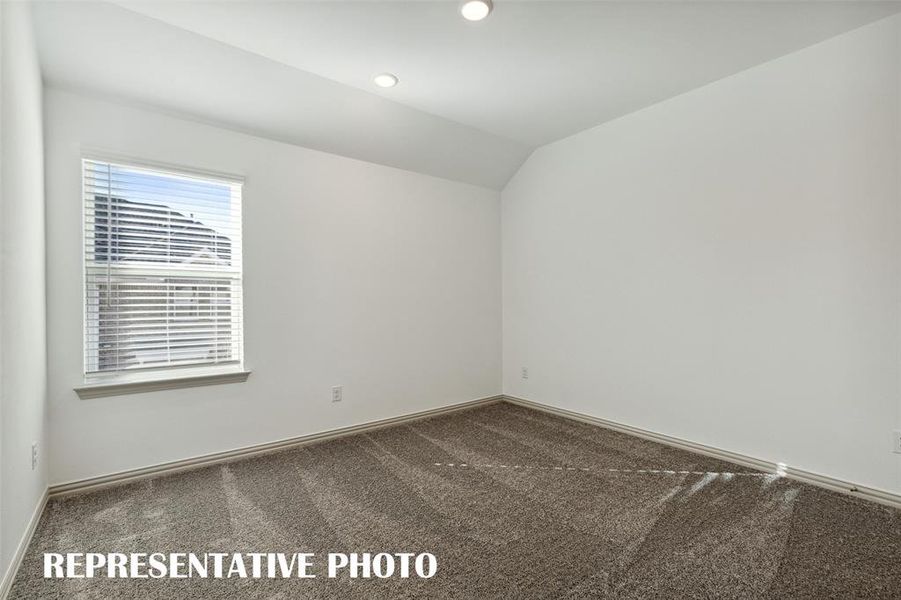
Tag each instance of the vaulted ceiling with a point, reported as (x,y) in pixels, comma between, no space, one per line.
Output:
(474,98)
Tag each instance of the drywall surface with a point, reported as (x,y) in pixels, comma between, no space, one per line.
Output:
(381,280)
(22,315)
(115,52)
(725,266)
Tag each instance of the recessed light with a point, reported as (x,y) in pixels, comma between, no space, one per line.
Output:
(476,10)
(385,80)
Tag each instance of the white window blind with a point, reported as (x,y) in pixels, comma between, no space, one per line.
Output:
(162,269)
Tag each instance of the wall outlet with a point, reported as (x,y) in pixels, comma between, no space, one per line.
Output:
(525,373)
(34,456)
(896,441)
(338,393)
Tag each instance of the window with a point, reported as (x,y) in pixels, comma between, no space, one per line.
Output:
(162,270)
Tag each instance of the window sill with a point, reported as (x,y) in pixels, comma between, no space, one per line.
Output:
(168,381)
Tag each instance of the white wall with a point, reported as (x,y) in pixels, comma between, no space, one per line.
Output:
(722,267)
(381,280)
(22,333)
(725,266)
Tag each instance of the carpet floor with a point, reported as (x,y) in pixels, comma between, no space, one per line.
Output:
(514,503)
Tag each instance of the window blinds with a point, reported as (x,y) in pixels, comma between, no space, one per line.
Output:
(162,269)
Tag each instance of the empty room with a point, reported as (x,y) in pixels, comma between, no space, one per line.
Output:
(450,299)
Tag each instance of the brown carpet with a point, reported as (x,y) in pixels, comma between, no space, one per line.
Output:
(543,508)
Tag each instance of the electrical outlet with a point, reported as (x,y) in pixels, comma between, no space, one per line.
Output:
(338,393)
(34,456)
(896,441)
(525,373)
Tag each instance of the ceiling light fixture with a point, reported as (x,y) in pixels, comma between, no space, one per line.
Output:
(385,80)
(476,10)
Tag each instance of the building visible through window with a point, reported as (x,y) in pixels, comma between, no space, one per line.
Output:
(163,269)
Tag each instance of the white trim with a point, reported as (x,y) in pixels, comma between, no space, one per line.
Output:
(19,555)
(824,481)
(88,154)
(124,160)
(93,483)
(149,383)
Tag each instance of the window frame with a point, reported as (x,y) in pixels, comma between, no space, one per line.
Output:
(128,381)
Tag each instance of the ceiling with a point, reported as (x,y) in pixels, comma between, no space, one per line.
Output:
(117,54)
(474,98)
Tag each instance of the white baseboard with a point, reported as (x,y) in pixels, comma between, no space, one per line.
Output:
(93,483)
(7,581)
(102,481)
(824,481)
